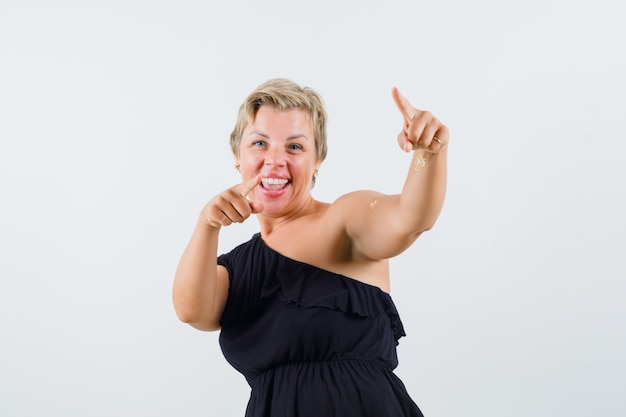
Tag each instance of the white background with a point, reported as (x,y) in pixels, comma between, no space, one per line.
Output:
(114,124)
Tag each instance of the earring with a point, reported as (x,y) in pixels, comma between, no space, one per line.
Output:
(238,167)
(315,173)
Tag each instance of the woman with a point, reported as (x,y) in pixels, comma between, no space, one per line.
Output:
(304,306)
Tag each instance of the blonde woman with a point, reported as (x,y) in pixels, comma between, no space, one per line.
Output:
(303,307)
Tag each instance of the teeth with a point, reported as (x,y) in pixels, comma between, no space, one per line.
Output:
(274,181)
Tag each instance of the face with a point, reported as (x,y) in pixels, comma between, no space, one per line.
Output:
(281,146)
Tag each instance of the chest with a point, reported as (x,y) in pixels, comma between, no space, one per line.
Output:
(327,247)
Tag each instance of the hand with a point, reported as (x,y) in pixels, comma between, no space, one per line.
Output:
(232,206)
(421,129)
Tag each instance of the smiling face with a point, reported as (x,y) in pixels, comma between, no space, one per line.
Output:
(279,144)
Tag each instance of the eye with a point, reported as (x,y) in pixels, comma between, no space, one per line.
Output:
(258,143)
(295,147)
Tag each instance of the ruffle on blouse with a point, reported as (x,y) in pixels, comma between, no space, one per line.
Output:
(259,274)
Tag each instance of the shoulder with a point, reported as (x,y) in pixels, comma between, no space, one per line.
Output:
(352,212)
(354,207)
(354,200)
(239,253)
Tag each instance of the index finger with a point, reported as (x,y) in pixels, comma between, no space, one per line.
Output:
(403,104)
(248,185)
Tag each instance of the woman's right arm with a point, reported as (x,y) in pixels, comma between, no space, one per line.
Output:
(200,285)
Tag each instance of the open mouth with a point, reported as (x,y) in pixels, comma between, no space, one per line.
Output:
(274,183)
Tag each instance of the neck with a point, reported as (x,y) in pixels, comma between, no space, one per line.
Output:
(270,224)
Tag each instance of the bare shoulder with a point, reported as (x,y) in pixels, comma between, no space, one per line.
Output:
(355,209)
(355,200)
(322,240)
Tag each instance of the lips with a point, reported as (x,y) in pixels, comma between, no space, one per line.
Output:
(274,183)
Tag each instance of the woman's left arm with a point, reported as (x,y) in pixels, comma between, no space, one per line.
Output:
(384,226)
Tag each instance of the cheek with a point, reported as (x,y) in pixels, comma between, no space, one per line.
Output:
(250,162)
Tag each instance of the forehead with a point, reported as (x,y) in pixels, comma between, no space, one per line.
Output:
(269,118)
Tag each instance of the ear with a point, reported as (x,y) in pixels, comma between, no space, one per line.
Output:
(315,172)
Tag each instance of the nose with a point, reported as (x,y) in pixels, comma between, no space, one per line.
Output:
(275,158)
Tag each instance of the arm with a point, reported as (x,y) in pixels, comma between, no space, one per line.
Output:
(381,227)
(200,290)
(201,286)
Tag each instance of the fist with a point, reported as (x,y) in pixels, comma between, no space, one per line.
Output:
(231,206)
(421,130)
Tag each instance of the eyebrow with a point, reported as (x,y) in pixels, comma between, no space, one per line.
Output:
(293,137)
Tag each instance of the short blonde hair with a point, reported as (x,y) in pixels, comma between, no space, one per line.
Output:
(283,94)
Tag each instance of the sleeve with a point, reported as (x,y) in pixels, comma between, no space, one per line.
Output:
(224,260)
(243,294)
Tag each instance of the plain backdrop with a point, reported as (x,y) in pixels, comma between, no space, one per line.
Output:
(114,124)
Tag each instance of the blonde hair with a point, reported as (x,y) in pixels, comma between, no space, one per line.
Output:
(283,94)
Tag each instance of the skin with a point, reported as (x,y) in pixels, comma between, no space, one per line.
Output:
(354,235)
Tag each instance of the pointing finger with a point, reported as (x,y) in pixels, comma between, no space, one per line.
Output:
(248,185)
(403,104)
